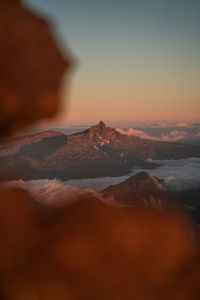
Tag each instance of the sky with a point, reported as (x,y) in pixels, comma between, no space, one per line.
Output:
(135,60)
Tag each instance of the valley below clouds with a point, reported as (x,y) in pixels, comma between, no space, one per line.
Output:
(178,175)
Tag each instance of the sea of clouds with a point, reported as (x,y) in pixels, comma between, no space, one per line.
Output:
(184,132)
(178,175)
(173,136)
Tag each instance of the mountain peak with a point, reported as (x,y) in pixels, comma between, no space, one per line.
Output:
(143,175)
(101,124)
(101,131)
(144,180)
(141,188)
(101,128)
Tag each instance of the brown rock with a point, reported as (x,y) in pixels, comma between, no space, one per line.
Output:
(31,68)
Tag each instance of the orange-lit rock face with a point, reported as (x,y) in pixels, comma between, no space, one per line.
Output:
(31,68)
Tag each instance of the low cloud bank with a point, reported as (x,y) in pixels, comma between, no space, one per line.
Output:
(174,135)
(170,125)
(179,175)
(55,192)
(51,192)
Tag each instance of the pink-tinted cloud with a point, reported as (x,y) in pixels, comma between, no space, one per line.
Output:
(177,132)
(51,191)
(183,124)
(173,137)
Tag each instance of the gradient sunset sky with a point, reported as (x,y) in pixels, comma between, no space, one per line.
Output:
(136,60)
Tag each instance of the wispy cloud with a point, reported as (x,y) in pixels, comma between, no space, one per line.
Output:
(53,191)
(183,124)
(180,174)
(47,191)
(173,136)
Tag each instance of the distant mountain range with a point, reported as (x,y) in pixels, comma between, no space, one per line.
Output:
(97,151)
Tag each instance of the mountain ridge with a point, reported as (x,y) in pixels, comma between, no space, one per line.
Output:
(94,152)
(140,189)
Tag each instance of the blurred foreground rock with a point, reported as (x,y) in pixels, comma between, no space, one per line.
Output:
(88,250)
(31,68)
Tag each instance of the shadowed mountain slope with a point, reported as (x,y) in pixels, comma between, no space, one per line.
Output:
(97,151)
(141,189)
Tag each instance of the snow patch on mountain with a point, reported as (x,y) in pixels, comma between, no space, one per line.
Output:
(95,147)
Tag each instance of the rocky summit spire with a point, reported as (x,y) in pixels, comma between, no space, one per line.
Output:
(101,131)
(101,124)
